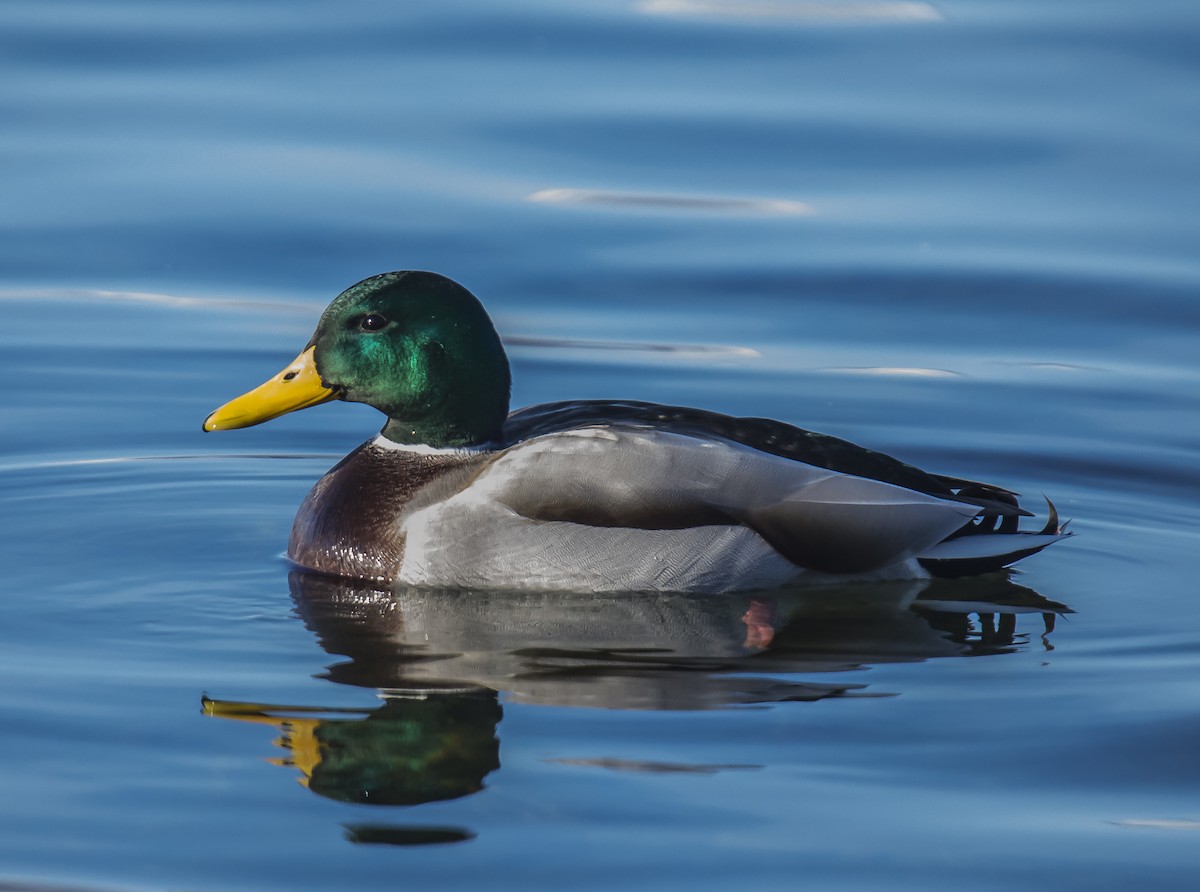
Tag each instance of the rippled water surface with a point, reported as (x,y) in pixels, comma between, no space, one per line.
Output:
(961,232)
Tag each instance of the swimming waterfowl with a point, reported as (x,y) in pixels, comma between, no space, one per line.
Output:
(592,495)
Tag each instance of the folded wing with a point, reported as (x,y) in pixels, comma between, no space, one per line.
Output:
(644,479)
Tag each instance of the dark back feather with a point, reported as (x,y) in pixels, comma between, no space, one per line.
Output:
(763,434)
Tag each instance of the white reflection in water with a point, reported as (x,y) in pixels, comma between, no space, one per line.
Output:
(155,298)
(1159,823)
(681,350)
(815,11)
(651,201)
(893,371)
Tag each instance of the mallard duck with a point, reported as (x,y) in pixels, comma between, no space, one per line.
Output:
(592,495)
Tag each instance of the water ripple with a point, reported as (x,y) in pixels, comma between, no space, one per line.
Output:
(710,204)
(817,12)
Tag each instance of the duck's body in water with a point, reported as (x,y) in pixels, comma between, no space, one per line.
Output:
(594,495)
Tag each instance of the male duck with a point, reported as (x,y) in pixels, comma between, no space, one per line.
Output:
(592,495)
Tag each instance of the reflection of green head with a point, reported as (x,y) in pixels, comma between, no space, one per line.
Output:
(411,750)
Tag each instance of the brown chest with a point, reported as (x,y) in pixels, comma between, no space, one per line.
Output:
(350,522)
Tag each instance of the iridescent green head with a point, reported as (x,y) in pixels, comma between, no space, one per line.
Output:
(415,345)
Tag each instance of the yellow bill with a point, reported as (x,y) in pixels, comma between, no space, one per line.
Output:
(296,387)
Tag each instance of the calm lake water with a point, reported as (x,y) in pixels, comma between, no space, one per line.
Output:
(962,232)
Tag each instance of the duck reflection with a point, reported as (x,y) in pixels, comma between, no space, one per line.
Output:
(414,748)
(653,651)
(439,659)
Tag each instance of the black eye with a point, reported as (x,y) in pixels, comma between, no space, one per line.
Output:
(373,322)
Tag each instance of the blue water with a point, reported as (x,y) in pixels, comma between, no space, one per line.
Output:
(961,232)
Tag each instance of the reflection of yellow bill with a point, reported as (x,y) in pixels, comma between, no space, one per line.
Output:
(297,735)
(298,386)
